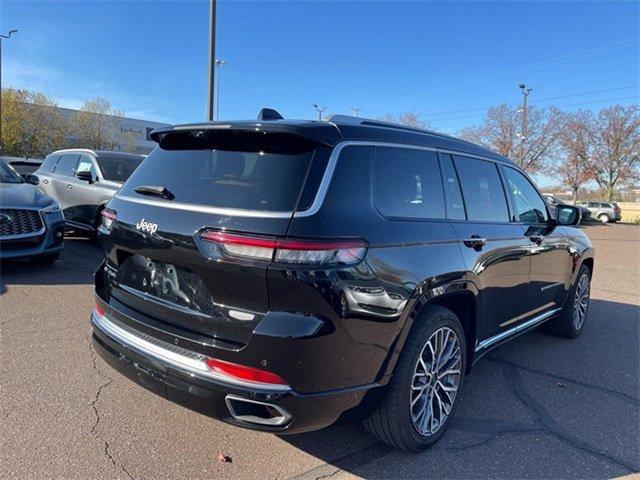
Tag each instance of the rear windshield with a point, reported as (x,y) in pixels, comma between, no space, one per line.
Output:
(267,175)
(118,169)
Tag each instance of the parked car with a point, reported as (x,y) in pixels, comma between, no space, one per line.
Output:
(83,181)
(604,211)
(23,165)
(284,275)
(585,213)
(31,224)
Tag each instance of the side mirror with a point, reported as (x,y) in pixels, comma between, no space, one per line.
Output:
(31,178)
(85,176)
(568,215)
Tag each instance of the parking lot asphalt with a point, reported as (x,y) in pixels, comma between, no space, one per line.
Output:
(539,407)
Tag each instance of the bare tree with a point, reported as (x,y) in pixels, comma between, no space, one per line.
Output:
(576,148)
(501,126)
(96,125)
(33,125)
(410,119)
(615,133)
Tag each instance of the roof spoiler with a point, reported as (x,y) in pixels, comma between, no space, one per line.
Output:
(269,114)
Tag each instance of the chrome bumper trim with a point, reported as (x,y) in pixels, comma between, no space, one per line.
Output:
(190,362)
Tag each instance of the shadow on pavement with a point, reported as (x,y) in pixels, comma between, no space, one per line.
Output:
(79,259)
(538,407)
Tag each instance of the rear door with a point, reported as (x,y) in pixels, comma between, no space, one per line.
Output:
(60,180)
(495,249)
(45,174)
(160,261)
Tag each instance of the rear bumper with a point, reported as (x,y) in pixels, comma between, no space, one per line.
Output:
(168,376)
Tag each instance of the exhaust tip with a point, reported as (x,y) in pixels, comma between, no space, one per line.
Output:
(256,412)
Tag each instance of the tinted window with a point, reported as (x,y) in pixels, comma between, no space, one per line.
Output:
(67,164)
(253,180)
(408,183)
(49,164)
(118,169)
(529,206)
(482,190)
(455,205)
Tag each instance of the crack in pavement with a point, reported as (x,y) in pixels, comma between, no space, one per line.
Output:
(623,396)
(514,382)
(94,405)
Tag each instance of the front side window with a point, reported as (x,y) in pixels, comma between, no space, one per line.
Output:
(482,190)
(67,164)
(118,169)
(86,165)
(408,183)
(8,174)
(529,206)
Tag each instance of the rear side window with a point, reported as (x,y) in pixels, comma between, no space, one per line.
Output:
(67,164)
(265,172)
(49,164)
(529,206)
(408,183)
(118,169)
(482,189)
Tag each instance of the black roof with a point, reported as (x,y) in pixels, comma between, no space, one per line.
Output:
(340,128)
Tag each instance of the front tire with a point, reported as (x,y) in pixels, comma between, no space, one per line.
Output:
(423,393)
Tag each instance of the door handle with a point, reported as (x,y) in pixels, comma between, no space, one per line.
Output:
(475,241)
(69,187)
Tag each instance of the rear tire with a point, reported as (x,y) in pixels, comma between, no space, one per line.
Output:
(604,218)
(572,319)
(423,393)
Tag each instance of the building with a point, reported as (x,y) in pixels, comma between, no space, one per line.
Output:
(140,128)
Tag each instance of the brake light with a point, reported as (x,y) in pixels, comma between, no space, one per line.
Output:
(108,217)
(99,310)
(288,251)
(242,372)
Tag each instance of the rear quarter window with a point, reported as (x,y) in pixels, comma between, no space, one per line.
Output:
(49,164)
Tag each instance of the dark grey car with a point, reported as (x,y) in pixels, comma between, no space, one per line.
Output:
(83,181)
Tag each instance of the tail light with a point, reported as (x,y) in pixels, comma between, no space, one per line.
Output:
(99,310)
(242,372)
(287,251)
(108,217)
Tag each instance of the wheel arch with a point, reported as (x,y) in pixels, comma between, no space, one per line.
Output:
(460,297)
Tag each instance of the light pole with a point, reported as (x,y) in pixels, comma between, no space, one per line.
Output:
(218,63)
(8,35)
(212,56)
(319,109)
(355,111)
(523,120)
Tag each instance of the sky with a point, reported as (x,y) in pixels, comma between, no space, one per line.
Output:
(446,61)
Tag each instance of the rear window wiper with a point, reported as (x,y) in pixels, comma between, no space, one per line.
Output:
(155,190)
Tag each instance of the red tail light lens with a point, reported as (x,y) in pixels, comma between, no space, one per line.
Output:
(288,251)
(241,372)
(108,217)
(99,310)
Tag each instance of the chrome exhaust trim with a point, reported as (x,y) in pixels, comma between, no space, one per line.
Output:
(281,418)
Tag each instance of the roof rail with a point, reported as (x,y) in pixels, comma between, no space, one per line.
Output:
(373,123)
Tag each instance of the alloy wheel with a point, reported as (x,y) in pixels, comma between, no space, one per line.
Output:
(435,381)
(581,301)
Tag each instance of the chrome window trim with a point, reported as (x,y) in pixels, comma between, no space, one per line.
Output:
(520,328)
(192,363)
(323,188)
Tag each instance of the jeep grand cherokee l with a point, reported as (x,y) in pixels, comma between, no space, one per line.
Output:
(285,275)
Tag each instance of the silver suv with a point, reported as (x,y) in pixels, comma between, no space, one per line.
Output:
(604,211)
(83,181)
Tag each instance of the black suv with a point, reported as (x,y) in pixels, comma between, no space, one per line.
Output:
(284,275)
